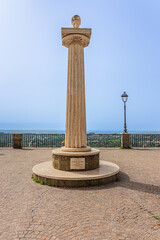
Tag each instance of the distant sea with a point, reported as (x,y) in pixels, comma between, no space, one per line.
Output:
(89,131)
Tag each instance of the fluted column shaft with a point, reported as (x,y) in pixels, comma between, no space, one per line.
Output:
(75,135)
(75,40)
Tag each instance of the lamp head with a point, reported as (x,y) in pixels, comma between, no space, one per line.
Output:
(124,97)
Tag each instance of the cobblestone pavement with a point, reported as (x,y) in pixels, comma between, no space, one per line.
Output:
(125,210)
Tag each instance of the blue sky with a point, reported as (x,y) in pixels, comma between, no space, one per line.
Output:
(123,55)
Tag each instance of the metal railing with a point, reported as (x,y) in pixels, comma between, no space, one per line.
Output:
(6,140)
(93,140)
(55,140)
(145,140)
(42,140)
(104,140)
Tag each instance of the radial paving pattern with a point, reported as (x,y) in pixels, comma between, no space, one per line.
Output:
(124,210)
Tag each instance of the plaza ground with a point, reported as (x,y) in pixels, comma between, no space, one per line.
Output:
(128,209)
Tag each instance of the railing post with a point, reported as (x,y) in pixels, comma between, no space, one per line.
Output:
(125,140)
(17,140)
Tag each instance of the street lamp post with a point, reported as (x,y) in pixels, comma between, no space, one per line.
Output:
(124,99)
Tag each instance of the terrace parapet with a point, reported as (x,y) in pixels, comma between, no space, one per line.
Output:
(125,140)
(17,140)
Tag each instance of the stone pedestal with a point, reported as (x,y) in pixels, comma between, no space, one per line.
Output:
(17,140)
(125,140)
(67,161)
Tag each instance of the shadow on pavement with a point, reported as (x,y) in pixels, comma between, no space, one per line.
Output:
(28,149)
(146,149)
(124,182)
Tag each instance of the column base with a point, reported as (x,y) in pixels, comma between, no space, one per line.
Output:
(106,173)
(75,161)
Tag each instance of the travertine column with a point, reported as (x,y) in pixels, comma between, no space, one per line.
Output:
(75,155)
(75,40)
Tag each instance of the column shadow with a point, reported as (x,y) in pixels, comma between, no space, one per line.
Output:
(125,182)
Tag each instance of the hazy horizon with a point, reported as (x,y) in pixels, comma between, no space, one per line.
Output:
(62,131)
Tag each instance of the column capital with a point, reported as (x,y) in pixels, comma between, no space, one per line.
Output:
(76,35)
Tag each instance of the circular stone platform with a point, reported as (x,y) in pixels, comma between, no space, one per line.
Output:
(106,173)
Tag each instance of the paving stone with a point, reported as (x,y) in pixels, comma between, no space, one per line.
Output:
(122,210)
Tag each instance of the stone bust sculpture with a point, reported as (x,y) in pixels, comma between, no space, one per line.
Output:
(76,21)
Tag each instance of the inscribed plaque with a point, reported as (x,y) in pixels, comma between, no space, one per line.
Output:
(77,163)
